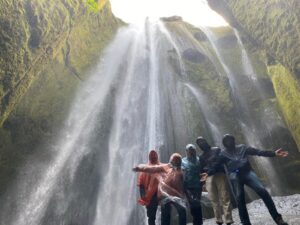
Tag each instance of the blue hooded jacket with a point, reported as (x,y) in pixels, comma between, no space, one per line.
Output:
(192,169)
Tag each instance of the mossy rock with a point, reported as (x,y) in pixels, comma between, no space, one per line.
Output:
(287,89)
(273,25)
(71,39)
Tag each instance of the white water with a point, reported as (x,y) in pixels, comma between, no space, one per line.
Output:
(75,135)
(245,119)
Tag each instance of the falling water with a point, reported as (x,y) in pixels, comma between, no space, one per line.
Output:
(129,105)
(132,102)
(247,123)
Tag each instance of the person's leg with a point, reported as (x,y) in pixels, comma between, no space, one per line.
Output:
(253,182)
(196,212)
(238,188)
(224,194)
(194,199)
(212,189)
(165,213)
(151,210)
(181,213)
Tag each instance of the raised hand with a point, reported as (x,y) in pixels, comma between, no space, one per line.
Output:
(281,153)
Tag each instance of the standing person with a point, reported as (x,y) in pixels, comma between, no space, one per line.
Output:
(216,185)
(193,188)
(170,187)
(148,184)
(235,158)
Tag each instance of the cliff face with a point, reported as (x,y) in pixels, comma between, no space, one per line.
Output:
(46,50)
(272,27)
(34,32)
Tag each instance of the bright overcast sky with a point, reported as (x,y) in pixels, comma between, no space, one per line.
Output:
(196,12)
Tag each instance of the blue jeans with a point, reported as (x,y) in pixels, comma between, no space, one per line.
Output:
(238,180)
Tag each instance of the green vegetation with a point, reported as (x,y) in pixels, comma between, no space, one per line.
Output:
(287,89)
(96,5)
(272,24)
(44,56)
(273,30)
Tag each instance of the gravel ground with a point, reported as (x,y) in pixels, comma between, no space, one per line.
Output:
(288,206)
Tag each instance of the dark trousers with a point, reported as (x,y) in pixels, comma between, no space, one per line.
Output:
(250,179)
(194,199)
(166,213)
(151,210)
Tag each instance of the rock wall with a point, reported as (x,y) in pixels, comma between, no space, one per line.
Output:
(273,27)
(46,50)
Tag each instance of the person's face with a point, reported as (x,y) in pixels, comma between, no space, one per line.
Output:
(153,157)
(229,143)
(202,143)
(176,162)
(191,153)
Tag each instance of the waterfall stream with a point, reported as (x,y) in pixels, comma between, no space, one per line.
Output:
(133,101)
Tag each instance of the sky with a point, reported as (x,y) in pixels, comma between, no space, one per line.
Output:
(196,12)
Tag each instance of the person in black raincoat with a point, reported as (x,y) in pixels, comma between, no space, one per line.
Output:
(235,158)
(217,184)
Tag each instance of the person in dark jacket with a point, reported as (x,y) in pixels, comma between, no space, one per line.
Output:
(192,186)
(235,158)
(217,184)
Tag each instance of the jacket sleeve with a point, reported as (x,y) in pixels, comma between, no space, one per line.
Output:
(258,152)
(213,168)
(152,169)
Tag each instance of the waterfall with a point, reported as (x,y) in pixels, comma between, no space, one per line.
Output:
(246,121)
(130,104)
(133,101)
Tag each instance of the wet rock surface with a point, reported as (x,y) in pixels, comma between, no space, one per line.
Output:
(288,206)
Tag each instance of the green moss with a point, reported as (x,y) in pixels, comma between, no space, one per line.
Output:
(34,32)
(41,77)
(96,5)
(272,24)
(287,89)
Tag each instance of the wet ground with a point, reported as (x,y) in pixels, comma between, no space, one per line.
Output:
(288,206)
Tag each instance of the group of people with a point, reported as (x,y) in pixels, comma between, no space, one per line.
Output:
(180,182)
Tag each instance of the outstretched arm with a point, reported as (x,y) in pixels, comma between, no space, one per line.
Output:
(149,168)
(258,152)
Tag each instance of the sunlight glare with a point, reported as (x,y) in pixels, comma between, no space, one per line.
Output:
(196,12)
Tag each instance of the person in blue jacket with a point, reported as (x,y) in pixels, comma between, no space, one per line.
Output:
(193,188)
(240,172)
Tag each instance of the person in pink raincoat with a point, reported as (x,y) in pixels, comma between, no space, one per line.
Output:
(170,187)
(148,184)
